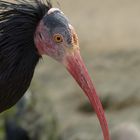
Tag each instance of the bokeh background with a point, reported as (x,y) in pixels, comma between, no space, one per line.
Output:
(55,108)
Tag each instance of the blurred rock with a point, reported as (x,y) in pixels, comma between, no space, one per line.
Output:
(77,134)
(126,131)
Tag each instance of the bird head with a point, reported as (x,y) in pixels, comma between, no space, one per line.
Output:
(56,37)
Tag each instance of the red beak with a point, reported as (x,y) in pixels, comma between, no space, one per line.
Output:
(76,67)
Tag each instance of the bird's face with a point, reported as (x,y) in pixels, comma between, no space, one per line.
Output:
(56,38)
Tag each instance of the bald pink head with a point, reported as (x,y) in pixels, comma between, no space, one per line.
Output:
(56,38)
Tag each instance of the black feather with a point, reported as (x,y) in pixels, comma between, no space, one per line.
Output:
(18,54)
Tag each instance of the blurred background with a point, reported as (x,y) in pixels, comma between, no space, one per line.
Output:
(55,108)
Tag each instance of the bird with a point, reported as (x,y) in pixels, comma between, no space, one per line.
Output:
(125,131)
(30,29)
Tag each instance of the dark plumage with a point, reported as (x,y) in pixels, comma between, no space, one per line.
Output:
(18,54)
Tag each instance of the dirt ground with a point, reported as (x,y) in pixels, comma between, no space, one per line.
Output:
(109,35)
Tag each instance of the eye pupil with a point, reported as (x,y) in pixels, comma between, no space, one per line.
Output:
(58,38)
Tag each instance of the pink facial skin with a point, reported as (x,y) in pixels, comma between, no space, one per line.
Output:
(46,45)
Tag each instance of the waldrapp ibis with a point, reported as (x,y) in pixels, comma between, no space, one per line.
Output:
(28,30)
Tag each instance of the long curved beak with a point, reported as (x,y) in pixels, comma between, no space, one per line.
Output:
(77,69)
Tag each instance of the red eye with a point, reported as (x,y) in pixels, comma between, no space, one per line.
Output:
(58,38)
